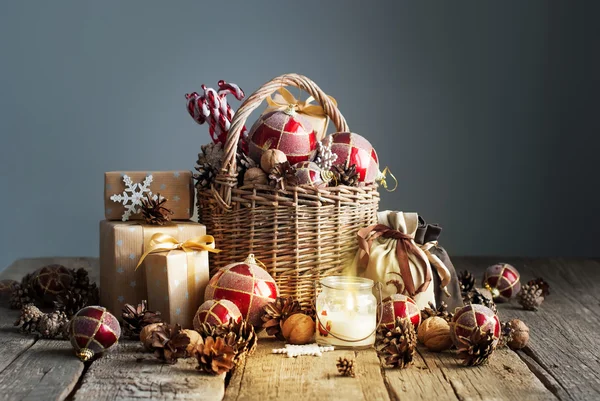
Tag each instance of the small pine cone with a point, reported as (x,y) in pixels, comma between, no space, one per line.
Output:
(506,331)
(345,367)
(170,343)
(282,175)
(466,281)
(439,311)
(240,336)
(205,176)
(23,293)
(154,211)
(530,297)
(215,356)
(208,164)
(53,325)
(345,175)
(542,284)
(136,318)
(476,297)
(243,164)
(75,299)
(275,314)
(29,319)
(398,344)
(479,348)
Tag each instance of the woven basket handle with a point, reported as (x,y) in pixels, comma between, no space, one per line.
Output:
(226,179)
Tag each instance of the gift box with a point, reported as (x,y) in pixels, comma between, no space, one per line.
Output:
(122,244)
(176,279)
(314,113)
(123,192)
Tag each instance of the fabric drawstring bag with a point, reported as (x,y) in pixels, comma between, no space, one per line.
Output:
(446,285)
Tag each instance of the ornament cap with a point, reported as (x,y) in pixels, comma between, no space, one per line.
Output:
(250,259)
(85,354)
(290,110)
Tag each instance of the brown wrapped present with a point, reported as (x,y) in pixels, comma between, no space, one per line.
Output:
(122,244)
(123,192)
(176,276)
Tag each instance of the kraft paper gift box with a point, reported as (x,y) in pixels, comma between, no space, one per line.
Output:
(176,281)
(176,186)
(122,244)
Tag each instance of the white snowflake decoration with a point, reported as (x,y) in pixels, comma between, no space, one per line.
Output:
(131,198)
(293,351)
(325,157)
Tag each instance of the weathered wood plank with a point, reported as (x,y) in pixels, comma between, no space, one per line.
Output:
(563,343)
(23,266)
(268,376)
(46,371)
(129,374)
(12,343)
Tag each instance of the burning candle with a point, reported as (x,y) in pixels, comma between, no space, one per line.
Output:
(346,308)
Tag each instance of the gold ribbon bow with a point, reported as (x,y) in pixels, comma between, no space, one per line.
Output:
(300,106)
(405,245)
(440,267)
(163,242)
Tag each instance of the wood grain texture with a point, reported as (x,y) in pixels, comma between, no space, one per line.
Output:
(564,348)
(128,373)
(46,371)
(12,343)
(268,376)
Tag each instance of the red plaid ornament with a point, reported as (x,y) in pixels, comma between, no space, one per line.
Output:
(398,305)
(503,281)
(93,331)
(352,149)
(216,313)
(52,280)
(245,284)
(470,318)
(287,131)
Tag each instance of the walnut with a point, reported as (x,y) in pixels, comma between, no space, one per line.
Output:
(434,333)
(519,334)
(255,175)
(298,329)
(271,158)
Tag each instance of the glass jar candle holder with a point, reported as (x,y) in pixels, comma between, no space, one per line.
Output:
(346,312)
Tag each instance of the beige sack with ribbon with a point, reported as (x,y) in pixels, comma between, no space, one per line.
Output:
(388,254)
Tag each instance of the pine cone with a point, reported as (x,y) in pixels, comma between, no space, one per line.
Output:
(135,319)
(283,174)
(506,331)
(480,348)
(208,164)
(345,175)
(440,311)
(243,164)
(154,212)
(79,295)
(345,367)
(23,293)
(476,297)
(531,297)
(29,319)
(542,284)
(398,344)
(325,157)
(466,280)
(240,336)
(170,343)
(275,314)
(215,356)
(53,325)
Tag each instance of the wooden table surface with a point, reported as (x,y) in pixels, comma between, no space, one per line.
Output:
(561,362)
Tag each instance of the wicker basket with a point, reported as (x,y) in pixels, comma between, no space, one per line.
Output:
(301,233)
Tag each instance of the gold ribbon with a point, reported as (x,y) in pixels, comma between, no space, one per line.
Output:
(440,267)
(162,242)
(382,179)
(300,106)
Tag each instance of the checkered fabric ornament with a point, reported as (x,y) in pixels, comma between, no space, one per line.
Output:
(470,318)
(399,305)
(247,285)
(309,173)
(216,313)
(51,281)
(352,149)
(287,131)
(92,331)
(503,281)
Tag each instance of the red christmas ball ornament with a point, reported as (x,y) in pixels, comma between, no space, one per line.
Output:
(51,281)
(398,305)
(352,149)
(309,173)
(287,131)
(503,281)
(92,331)
(247,285)
(216,313)
(473,317)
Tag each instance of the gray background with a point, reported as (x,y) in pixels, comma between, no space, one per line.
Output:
(487,112)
